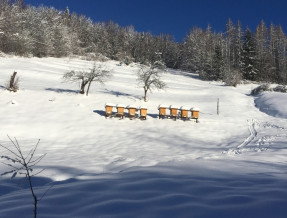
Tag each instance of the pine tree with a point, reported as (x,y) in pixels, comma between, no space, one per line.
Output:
(249,56)
(218,63)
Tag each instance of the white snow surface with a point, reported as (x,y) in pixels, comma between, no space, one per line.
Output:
(273,103)
(229,165)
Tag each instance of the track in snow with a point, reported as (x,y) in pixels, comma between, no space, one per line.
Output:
(255,142)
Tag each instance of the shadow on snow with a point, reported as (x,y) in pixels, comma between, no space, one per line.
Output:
(158,191)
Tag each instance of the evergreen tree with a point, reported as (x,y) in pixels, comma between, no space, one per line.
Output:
(218,63)
(249,56)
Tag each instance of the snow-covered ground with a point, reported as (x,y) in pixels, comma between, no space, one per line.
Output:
(229,165)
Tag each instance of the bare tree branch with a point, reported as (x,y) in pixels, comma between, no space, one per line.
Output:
(25,166)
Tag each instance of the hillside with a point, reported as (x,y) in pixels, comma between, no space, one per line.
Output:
(234,162)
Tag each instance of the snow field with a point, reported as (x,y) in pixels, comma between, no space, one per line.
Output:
(122,167)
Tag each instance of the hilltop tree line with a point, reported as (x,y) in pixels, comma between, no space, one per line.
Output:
(236,54)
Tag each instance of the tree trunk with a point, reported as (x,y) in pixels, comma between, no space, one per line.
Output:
(83,85)
(12,81)
(89,87)
(145,92)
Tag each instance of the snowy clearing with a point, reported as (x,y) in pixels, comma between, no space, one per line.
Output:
(231,164)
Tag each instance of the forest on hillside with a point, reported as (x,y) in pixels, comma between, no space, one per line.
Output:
(234,55)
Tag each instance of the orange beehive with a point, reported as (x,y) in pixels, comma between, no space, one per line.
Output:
(132,111)
(195,113)
(173,111)
(109,109)
(184,113)
(162,111)
(120,110)
(143,112)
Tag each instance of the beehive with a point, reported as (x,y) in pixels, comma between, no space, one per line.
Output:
(132,111)
(120,110)
(195,113)
(173,111)
(184,112)
(143,112)
(162,111)
(109,109)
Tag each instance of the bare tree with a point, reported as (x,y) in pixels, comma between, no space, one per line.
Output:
(150,77)
(97,74)
(21,164)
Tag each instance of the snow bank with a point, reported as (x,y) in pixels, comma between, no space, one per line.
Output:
(272,103)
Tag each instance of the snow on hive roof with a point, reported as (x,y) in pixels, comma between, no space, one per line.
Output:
(120,105)
(163,106)
(143,107)
(131,106)
(110,104)
(184,108)
(173,107)
(194,109)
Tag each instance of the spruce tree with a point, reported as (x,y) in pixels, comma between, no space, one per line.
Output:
(249,56)
(218,63)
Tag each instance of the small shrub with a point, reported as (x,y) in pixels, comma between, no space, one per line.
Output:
(127,60)
(232,78)
(95,57)
(280,88)
(260,89)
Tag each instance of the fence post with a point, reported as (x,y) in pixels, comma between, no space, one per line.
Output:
(218,106)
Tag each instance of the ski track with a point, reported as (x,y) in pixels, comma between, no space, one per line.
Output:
(255,143)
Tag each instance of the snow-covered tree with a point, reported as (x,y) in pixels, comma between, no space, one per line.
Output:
(249,56)
(96,74)
(218,63)
(151,77)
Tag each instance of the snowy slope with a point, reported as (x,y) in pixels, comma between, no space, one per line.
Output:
(103,167)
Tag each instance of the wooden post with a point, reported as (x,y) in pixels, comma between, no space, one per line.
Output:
(218,106)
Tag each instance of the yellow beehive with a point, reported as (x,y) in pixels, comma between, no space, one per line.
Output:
(195,113)
(184,113)
(162,111)
(109,109)
(132,111)
(173,111)
(120,110)
(143,113)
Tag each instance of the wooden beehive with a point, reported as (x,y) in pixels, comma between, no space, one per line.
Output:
(162,111)
(195,113)
(109,109)
(132,111)
(173,111)
(143,112)
(120,110)
(184,113)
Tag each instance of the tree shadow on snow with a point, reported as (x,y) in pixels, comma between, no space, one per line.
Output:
(162,191)
(119,94)
(16,184)
(184,73)
(62,90)
(2,87)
